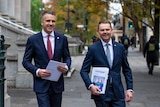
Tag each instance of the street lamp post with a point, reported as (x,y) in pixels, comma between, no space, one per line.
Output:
(68,17)
(106,11)
(68,24)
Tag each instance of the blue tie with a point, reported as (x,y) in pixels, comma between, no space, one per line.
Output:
(108,55)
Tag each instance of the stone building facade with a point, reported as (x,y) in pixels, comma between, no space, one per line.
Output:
(17,11)
(15,26)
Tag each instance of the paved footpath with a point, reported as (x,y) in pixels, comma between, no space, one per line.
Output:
(146,87)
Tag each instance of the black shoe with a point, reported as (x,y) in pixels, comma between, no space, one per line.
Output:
(150,73)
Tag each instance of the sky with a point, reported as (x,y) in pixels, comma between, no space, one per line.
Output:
(115,8)
(44,1)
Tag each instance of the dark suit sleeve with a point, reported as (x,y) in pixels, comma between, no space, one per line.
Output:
(66,55)
(27,59)
(127,72)
(86,68)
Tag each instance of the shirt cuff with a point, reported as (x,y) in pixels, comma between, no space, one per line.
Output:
(37,72)
(66,67)
(90,86)
(130,90)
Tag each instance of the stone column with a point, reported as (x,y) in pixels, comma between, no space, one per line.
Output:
(11,8)
(23,10)
(24,79)
(28,12)
(17,9)
(3,6)
(7,97)
(11,69)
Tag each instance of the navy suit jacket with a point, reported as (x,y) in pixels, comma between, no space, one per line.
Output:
(35,49)
(96,57)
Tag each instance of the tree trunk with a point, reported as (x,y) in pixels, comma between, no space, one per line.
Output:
(140,35)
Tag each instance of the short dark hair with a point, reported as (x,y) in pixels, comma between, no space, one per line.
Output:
(105,22)
(48,12)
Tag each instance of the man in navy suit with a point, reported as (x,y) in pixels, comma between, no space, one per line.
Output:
(97,57)
(49,93)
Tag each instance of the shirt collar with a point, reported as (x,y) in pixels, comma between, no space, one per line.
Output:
(104,43)
(44,34)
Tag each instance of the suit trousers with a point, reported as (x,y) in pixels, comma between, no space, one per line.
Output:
(110,101)
(49,99)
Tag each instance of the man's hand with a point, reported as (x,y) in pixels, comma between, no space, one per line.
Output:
(43,73)
(129,95)
(95,90)
(63,69)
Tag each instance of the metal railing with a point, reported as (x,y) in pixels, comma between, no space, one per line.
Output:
(2,68)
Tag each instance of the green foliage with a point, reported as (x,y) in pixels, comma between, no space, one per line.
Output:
(36,9)
(79,11)
(93,10)
(137,11)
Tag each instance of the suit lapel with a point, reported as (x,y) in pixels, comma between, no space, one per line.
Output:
(101,49)
(102,53)
(55,44)
(57,39)
(114,53)
(41,44)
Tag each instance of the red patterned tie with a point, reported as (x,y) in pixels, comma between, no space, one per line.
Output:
(49,48)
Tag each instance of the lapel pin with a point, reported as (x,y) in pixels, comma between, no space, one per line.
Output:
(57,37)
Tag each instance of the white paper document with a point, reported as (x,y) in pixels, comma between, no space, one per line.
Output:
(55,73)
(99,77)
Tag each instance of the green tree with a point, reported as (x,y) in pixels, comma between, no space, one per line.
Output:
(81,12)
(88,13)
(136,11)
(36,9)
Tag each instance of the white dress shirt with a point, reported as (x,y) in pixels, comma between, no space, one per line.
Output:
(110,46)
(51,37)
